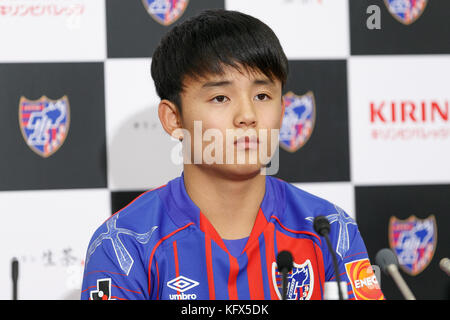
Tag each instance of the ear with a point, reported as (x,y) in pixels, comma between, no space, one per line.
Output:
(170,118)
(283,107)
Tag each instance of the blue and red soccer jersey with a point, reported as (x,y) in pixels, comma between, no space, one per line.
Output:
(161,246)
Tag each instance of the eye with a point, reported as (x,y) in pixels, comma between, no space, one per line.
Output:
(220,99)
(262,97)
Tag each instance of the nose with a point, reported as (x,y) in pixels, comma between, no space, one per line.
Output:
(245,114)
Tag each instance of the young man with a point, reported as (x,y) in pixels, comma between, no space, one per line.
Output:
(215,231)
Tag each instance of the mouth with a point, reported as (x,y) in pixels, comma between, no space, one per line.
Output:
(247,143)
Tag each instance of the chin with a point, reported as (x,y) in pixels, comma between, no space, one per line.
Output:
(238,171)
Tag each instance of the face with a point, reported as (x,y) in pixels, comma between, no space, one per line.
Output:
(232,119)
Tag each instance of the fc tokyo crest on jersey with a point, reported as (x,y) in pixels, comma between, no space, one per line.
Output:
(406,11)
(414,242)
(44,123)
(298,121)
(300,281)
(165,12)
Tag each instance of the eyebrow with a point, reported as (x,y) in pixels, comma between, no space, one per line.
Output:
(212,84)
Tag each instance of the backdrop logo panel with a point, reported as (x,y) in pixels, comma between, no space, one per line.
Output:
(56,140)
(414,242)
(408,119)
(321,26)
(48,232)
(403,27)
(44,123)
(420,241)
(76,24)
(406,11)
(314,133)
(298,121)
(139,123)
(399,119)
(134,28)
(165,12)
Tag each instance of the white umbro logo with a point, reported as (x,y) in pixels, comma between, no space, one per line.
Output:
(182,284)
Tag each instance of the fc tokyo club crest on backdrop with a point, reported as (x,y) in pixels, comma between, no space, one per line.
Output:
(44,123)
(406,11)
(414,242)
(300,281)
(298,121)
(165,12)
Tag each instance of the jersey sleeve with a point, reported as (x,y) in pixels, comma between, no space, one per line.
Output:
(354,266)
(115,269)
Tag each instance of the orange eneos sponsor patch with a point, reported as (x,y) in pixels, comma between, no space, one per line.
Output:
(364,282)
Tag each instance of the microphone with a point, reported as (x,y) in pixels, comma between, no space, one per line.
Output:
(15,276)
(285,265)
(445,265)
(388,262)
(322,227)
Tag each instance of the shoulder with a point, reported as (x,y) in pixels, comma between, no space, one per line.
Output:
(141,213)
(301,208)
(300,205)
(143,221)
(308,202)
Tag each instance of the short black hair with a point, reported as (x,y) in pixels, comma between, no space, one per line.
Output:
(215,38)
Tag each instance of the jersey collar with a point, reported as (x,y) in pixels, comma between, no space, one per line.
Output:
(183,210)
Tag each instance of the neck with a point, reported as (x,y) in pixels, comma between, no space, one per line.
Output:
(230,203)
